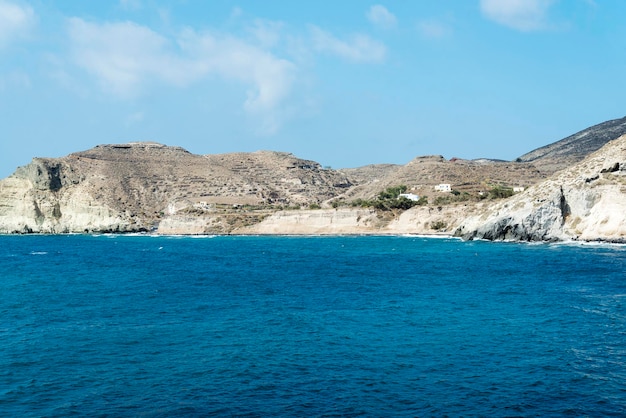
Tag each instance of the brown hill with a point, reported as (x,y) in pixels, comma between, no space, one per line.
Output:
(422,174)
(132,186)
(149,174)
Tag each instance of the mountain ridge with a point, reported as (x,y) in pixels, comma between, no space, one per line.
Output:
(576,147)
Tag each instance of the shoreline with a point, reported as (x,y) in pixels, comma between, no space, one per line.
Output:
(572,242)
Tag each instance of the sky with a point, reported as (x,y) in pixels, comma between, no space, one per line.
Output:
(345,83)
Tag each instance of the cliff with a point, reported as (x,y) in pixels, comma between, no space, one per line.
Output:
(342,221)
(584,202)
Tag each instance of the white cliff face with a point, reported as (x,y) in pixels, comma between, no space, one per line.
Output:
(431,220)
(311,222)
(417,220)
(33,200)
(584,202)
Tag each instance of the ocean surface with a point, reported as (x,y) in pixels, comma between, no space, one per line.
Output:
(146,326)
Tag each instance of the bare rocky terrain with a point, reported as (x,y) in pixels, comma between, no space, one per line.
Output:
(586,202)
(575,148)
(469,176)
(138,184)
(165,189)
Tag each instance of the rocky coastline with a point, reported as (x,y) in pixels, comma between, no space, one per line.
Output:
(153,188)
(585,202)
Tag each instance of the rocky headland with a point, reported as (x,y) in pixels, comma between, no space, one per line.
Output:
(584,202)
(150,187)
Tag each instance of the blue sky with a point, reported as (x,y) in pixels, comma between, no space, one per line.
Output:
(346,83)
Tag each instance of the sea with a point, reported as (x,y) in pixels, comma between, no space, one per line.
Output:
(343,326)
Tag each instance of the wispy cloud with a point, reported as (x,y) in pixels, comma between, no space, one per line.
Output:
(270,78)
(381,17)
(357,48)
(134,118)
(15,21)
(523,15)
(126,57)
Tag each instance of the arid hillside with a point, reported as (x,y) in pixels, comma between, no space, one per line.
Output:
(575,148)
(134,186)
(422,174)
(143,186)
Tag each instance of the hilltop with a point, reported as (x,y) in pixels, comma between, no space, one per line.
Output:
(146,186)
(132,187)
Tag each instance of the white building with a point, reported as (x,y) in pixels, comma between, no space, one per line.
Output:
(443,187)
(409,196)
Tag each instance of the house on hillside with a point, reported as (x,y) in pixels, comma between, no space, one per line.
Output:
(443,187)
(409,196)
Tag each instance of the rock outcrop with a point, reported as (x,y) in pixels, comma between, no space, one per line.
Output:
(585,202)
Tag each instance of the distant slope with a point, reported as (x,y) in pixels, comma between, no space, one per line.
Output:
(370,173)
(575,148)
(421,174)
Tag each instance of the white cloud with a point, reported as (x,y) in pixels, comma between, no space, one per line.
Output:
(381,17)
(15,21)
(358,48)
(270,78)
(236,13)
(523,15)
(126,57)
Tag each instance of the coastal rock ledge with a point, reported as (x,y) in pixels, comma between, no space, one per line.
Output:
(585,202)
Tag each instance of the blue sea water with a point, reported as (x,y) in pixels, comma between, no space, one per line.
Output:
(309,326)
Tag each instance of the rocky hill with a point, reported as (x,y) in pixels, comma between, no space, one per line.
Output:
(149,186)
(584,202)
(575,148)
(152,187)
(472,177)
(133,187)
